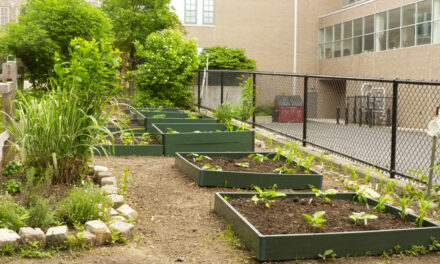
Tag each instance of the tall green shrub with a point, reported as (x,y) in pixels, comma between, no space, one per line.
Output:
(46,27)
(227,58)
(169,68)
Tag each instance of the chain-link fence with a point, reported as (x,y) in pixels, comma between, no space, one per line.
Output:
(377,122)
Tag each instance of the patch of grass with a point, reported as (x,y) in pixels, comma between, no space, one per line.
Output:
(230,238)
(264,110)
(80,206)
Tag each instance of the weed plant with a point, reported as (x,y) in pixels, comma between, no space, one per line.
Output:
(81,205)
(40,213)
(12,216)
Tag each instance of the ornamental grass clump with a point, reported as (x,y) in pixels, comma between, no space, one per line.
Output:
(82,205)
(59,130)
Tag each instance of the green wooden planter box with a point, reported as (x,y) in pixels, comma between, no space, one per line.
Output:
(179,118)
(138,150)
(300,246)
(189,141)
(235,179)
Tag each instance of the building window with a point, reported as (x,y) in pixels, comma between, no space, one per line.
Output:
(208,12)
(190,12)
(4,15)
(407,26)
(350,2)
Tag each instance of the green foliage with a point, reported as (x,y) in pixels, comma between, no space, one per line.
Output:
(227,58)
(242,164)
(46,27)
(284,169)
(123,183)
(264,110)
(317,219)
(328,254)
(224,113)
(13,186)
(40,214)
(258,157)
(404,203)
(60,129)
(12,168)
(245,108)
(209,166)
(266,197)
(135,20)
(12,216)
(117,238)
(7,250)
(228,235)
(169,68)
(323,195)
(33,250)
(81,205)
(145,139)
(362,216)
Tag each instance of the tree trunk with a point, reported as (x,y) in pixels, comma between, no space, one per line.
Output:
(132,69)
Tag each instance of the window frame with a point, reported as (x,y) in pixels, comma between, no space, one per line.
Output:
(185,10)
(205,11)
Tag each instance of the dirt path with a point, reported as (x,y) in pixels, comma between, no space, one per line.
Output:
(176,222)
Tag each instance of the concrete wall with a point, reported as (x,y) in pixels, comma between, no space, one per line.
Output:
(14,7)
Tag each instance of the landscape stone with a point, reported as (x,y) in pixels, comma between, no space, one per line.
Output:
(88,238)
(117,218)
(127,212)
(29,235)
(108,181)
(103,174)
(125,229)
(100,230)
(110,189)
(56,235)
(98,169)
(117,200)
(8,237)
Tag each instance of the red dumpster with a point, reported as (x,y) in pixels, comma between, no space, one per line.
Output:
(289,109)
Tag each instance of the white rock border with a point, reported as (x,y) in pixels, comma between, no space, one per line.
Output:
(97,232)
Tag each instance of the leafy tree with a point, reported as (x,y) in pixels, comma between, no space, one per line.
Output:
(46,27)
(227,58)
(134,20)
(169,69)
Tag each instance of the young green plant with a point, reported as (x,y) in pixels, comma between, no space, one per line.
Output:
(317,219)
(266,197)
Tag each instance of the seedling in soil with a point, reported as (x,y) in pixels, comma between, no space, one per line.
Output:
(389,187)
(172,131)
(405,202)
(279,153)
(160,116)
(424,204)
(123,183)
(196,157)
(307,162)
(367,176)
(323,195)
(266,197)
(353,175)
(329,253)
(258,157)
(209,166)
(381,205)
(362,216)
(145,139)
(284,169)
(317,219)
(127,138)
(242,164)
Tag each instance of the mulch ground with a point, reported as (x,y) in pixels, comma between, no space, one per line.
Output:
(229,164)
(285,216)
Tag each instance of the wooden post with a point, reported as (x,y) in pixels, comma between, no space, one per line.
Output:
(9,72)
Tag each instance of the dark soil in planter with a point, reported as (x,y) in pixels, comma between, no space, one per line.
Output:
(137,140)
(228,164)
(285,216)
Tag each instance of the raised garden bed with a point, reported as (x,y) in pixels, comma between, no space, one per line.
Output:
(202,137)
(174,117)
(137,148)
(238,176)
(268,234)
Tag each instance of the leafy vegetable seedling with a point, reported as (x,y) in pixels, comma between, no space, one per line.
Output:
(316,220)
(242,164)
(319,193)
(258,157)
(362,216)
(209,166)
(329,253)
(284,169)
(266,197)
(145,138)
(197,157)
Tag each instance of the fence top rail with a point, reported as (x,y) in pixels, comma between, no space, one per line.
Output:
(330,77)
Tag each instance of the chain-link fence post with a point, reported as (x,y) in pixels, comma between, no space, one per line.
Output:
(254,97)
(306,82)
(394,129)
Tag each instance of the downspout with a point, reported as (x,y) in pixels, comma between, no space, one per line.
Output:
(295,43)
